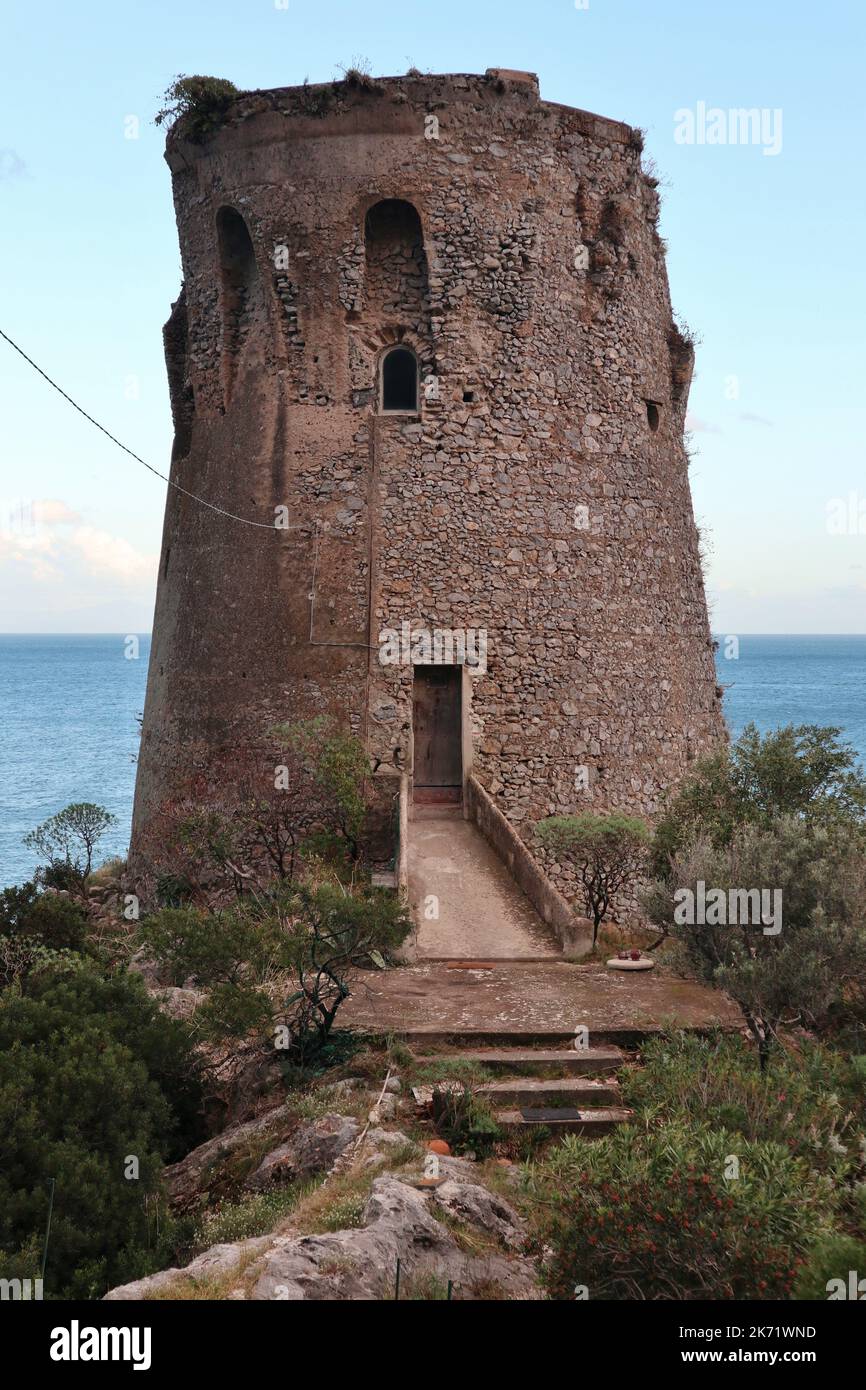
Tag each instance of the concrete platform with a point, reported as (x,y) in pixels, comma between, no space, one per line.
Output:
(534,1002)
(481,912)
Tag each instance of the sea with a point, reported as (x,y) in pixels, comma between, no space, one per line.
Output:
(70,708)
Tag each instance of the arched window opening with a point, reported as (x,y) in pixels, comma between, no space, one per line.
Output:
(392,222)
(240,291)
(396,284)
(237,260)
(400,380)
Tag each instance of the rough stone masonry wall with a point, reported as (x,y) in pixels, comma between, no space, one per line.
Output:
(531,496)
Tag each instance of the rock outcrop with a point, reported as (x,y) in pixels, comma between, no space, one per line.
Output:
(273,1148)
(315,1148)
(400,1222)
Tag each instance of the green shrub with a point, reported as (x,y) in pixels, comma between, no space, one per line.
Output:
(255,1214)
(337,764)
(653,1216)
(801,771)
(22,957)
(55,922)
(278,966)
(464,1121)
(91,1075)
(608,854)
(67,841)
(811,1104)
(203,101)
(827,1272)
(807,962)
(245,839)
(173,890)
(213,947)
(68,878)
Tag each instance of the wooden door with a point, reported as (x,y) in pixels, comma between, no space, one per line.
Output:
(437,724)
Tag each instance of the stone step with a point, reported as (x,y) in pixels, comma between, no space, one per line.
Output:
(591,1123)
(489,1039)
(475,963)
(429,808)
(524,1060)
(579,1091)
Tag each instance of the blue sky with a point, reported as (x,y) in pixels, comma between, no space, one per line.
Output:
(765,262)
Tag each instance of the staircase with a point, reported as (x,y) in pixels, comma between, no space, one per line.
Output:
(566,1090)
(484,928)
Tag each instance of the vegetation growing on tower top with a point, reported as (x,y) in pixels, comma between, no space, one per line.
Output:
(201,101)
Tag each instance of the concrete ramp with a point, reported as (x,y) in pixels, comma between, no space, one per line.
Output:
(464,901)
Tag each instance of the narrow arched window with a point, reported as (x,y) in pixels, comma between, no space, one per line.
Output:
(237,262)
(399,380)
(240,293)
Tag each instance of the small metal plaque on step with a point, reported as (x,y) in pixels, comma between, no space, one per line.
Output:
(549,1114)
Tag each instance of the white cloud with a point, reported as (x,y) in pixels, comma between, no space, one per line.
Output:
(749,608)
(32,552)
(697,426)
(57,574)
(111,557)
(51,511)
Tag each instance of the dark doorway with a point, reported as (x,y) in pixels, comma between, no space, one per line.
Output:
(400,380)
(437,724)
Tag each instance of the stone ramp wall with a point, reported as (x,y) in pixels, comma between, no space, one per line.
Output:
(574,935)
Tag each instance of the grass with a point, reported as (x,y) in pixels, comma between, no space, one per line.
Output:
(405,1155)
(486,1290)
(613,938)
(322,1206)
(337,1205)
(229,1167)
(451,1069)
(315,1103)
(429,1287)
(358,74)
(422,1288)
(377,1057)
(329,1204)
(337,1264)
(210,1289)
(466,1238)
(254,1215)
(107,872)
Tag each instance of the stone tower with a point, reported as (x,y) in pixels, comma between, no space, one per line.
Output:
(425,341)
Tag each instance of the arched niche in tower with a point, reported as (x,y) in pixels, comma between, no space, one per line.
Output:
(396,282)
(241,299)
